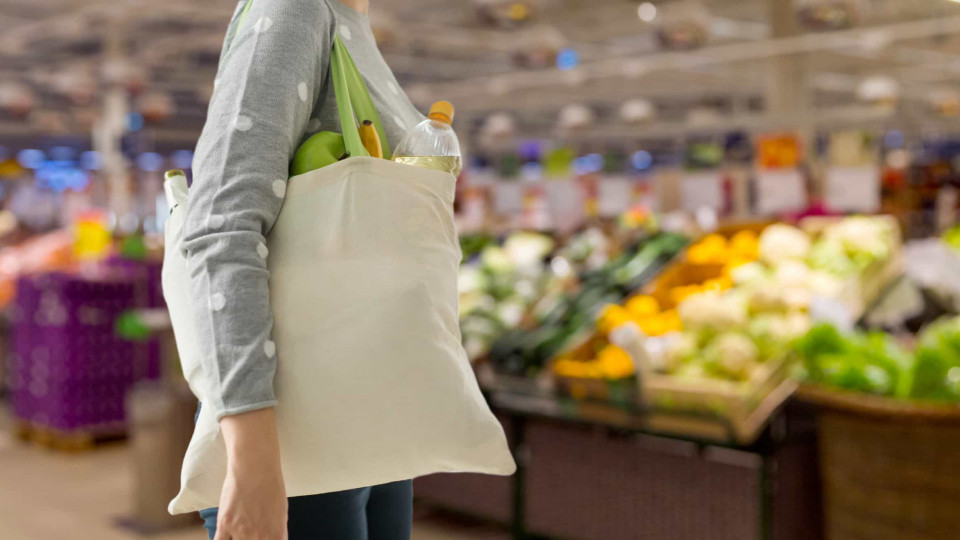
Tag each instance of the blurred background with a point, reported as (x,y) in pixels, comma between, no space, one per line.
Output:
(710,278)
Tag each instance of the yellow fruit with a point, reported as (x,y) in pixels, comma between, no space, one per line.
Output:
(715,241)
(736,261)
(699,254)
(745,244)
(671,321)
(654,327)
(681,293)
(643,305)
(611,317)
(614,362)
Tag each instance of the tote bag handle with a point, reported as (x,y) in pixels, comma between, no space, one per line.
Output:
(351,94)
(353,101)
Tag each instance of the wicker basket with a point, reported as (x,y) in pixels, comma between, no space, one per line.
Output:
(890,470)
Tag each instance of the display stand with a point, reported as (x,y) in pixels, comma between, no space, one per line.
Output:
(589,471)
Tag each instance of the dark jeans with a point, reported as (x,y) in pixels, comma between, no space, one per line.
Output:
(382,512)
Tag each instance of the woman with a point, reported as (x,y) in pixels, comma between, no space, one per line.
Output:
(272,91)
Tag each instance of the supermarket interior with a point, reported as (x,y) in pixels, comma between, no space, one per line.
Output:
(710,272)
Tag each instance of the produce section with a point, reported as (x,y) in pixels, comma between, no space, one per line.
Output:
(712,330)
(709,281)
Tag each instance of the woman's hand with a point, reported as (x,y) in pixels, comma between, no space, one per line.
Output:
(253,504)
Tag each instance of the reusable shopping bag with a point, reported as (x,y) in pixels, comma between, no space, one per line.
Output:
(372,381)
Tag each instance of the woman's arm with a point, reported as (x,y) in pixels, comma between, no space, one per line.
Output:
(266,88)
(253,504)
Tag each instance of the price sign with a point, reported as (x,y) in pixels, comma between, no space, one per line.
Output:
(614,196)
(565,199)
(782,151)
(780,191)
(701,190)
(508,198)
(853,189)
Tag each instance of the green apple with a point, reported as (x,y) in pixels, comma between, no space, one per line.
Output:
(320,150)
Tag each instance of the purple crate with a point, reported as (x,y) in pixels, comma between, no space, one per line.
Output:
(69,369)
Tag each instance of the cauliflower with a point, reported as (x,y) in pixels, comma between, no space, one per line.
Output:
(496,260)
(828,255)
(748,273)
(767,296)
(772,296)
(678,351)
(511,312)
(865,239)
(470,279)
(527,250)
(783,242)
(851,245)
(791,274)
(771,333)
(797,324)
(732,355)
(824,284)
(712,310)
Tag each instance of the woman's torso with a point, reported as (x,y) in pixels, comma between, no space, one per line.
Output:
(396,111)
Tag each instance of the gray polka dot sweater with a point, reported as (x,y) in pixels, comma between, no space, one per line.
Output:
(272,91)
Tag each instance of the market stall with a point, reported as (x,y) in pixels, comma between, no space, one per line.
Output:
(695,366)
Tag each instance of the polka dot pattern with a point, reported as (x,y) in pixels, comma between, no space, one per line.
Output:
(216,221)
(280,188)
(217,301)
(263,24)
(262,250)
(269,348)
(345,32)
(243,123)
(302,91)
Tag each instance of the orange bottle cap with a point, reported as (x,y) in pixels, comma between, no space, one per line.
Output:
(441,111)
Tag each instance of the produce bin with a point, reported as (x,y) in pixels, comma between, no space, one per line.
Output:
(890,469)
(583,483)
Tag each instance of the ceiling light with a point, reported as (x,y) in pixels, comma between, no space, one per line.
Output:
(879,89)
(648,12)
(637,110)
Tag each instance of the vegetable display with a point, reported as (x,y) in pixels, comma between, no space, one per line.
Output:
(562,318)
(875,363)
(737,326)
(499,285)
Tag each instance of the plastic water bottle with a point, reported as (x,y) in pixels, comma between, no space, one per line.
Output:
(175,187)
(432,143)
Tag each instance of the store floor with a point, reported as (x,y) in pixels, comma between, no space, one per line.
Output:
(46,495)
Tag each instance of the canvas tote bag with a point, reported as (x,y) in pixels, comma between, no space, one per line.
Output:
(372,381)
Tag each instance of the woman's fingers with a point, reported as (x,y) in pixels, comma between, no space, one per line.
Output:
(222,533)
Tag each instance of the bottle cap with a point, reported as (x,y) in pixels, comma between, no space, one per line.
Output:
(442,111)
(175,187)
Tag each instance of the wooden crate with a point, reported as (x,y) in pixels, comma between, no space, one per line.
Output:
(860,292)
(68,441)
(679,273)
(716,409)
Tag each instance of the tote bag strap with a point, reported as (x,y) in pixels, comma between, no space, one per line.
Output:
(362,103)
(354,104)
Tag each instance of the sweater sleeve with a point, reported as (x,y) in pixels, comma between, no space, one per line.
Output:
(267,86)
